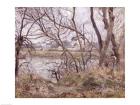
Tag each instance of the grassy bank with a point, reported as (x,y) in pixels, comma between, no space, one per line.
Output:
(91,84)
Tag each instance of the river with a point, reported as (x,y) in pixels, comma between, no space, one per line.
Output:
(42,65)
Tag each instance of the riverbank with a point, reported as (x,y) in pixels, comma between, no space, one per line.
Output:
(91,84)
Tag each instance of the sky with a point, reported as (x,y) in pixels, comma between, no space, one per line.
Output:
(82,16)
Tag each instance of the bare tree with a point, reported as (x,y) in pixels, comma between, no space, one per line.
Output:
(96,29)
(54,26)
(109,27)
(21,39)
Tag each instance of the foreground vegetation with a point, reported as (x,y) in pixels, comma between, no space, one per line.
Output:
(92,84)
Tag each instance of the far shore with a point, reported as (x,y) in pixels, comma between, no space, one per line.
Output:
(56,53)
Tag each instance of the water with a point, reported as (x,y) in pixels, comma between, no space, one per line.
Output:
(40,65)
(43,65)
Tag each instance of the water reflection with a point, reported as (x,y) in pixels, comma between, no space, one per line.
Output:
(43,65)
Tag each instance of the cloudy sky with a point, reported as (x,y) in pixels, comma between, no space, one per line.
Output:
(82,16)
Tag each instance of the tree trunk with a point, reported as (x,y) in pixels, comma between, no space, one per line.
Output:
(115,49)
(96,29)
(78,37)
(17,50)
(16,67)
(17,61)
(109,35)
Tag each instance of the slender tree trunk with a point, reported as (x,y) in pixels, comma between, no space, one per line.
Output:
(96,29)
(16,67)
(80,44)
(115,49)
(17,61)
(109,35)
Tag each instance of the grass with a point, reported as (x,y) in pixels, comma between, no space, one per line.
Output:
(90,84)
(97,83)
